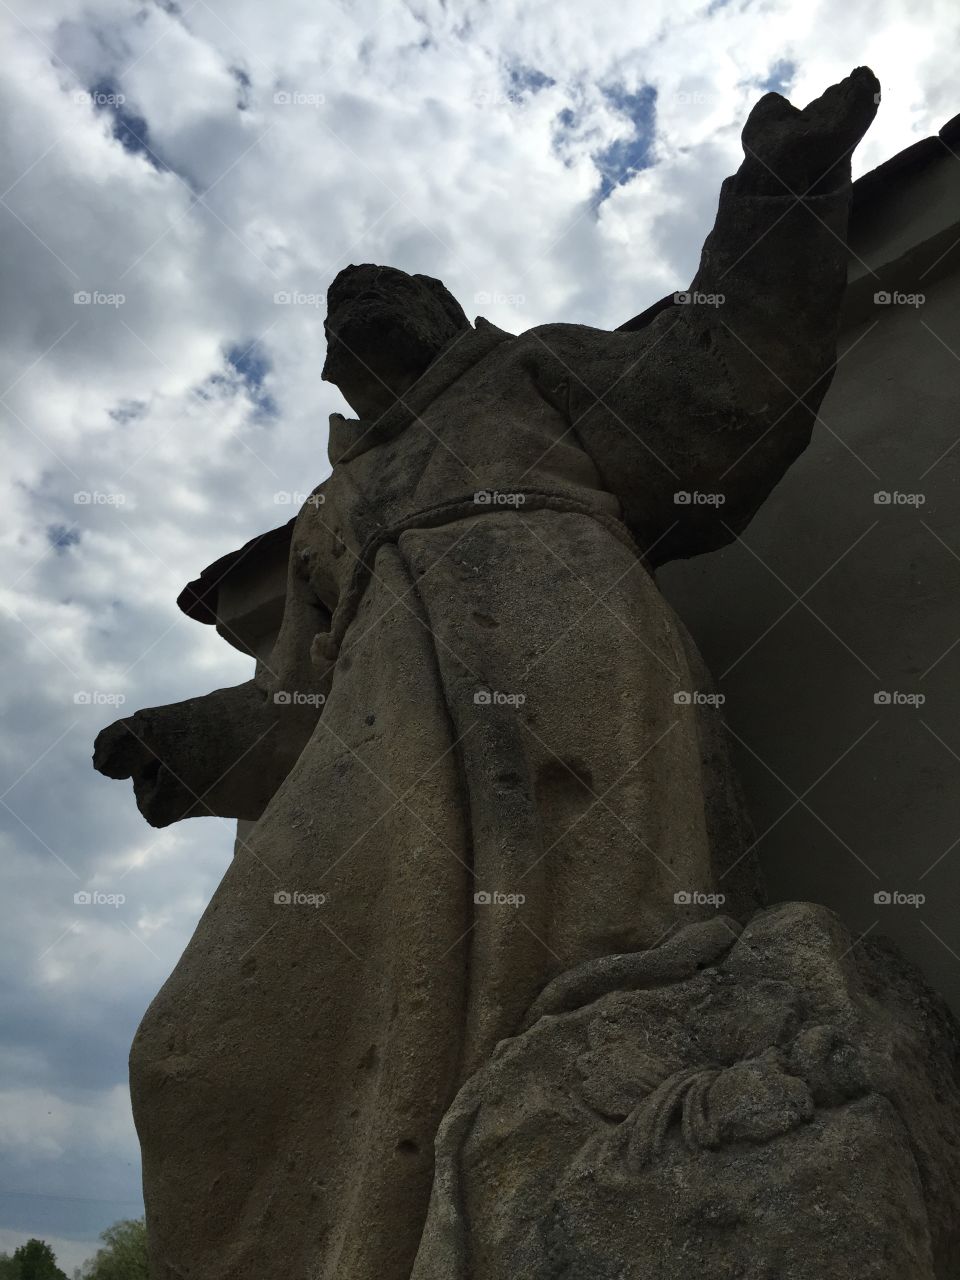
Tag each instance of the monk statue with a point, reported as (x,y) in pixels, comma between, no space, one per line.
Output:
(493,801)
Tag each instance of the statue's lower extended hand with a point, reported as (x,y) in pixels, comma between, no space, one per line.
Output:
(803,152)
(223,754)
(134,748)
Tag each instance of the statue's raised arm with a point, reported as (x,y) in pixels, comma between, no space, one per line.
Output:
(694,418)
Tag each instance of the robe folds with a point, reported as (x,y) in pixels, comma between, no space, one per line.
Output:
(519,765)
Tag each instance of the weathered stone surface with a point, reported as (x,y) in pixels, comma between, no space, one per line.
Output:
(190,759)
(478,695)
(779,1103)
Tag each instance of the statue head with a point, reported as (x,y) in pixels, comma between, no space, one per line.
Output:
(384,327)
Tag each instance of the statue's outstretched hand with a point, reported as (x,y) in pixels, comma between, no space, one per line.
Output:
(222,754)
(132,748)
(800,152)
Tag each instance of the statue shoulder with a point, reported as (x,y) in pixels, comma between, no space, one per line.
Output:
(577,347)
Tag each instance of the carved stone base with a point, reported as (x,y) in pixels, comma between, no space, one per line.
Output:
(780,1103)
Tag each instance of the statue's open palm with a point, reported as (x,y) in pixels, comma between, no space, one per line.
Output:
(789,149)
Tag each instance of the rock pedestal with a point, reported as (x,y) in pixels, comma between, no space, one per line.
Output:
(772,1103)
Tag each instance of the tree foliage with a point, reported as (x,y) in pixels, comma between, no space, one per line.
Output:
(123,1256)
(124,1253)
(34,1260)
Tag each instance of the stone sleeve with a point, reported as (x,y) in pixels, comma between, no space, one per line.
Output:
(692,420)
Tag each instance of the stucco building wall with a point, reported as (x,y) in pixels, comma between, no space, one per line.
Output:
(832,598)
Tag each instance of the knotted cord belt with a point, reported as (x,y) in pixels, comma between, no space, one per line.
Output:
(326,644)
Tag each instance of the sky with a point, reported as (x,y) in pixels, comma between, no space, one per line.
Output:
(180,182)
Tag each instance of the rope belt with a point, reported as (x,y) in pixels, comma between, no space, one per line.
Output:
(327,644)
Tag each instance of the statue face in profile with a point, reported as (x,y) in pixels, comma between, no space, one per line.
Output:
(383,328)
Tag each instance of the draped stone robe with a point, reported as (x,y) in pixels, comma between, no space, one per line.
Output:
(514,770)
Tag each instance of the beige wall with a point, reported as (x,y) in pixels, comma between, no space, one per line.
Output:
(879,801)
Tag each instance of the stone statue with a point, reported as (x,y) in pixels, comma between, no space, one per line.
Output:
(463,1004)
